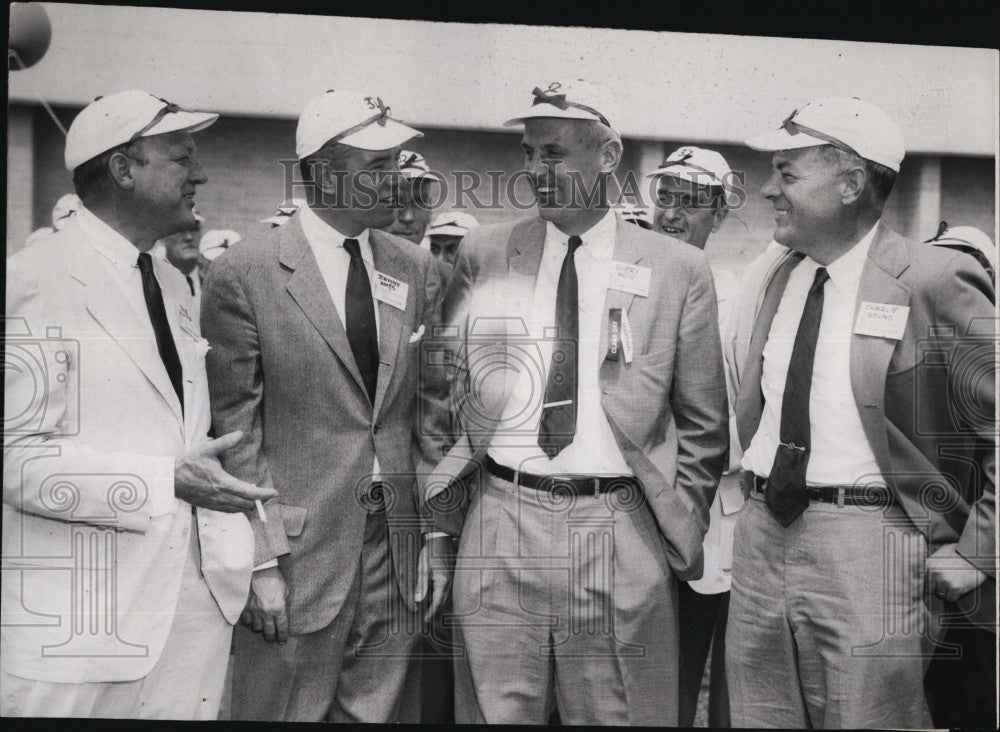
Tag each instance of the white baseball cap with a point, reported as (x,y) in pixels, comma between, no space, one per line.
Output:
(216,241)
(115,119)
(966,237)
(65,207)
(844,122)
(700,166)
(452,223)
(413,166)
(576,99)
(350,118)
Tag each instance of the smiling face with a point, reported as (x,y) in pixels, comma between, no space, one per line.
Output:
(164,184)
(808,191)
(565,168)
(686,210)
(359,184)
(413,213)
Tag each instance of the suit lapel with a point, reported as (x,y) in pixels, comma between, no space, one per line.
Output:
(625,250)
(750,400)
(308,289)
(870,355)
(390,319)
(131,330)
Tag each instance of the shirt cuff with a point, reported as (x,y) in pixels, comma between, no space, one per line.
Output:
(266,565)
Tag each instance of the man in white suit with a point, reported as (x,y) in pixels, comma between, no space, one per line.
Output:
(110,477)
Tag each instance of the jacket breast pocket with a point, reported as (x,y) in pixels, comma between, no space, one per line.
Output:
(293,518)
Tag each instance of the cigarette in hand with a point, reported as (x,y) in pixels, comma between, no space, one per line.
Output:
(260,511)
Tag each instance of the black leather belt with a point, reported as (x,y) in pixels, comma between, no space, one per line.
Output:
(577,485)
(839,495)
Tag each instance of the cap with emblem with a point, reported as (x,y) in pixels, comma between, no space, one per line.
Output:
(635,214)
(115,119)
(844,122)
(576,99)
(216,241)
(350,118)
(700,166)
(65,207)
(452,223)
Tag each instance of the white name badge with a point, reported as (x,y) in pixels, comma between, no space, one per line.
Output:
(186,322)
(881,320)
(390,290)
(630,278)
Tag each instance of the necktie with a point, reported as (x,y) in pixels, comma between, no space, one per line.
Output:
(190,284)
(161,328)
(360,317)
(558,424)
(786,486)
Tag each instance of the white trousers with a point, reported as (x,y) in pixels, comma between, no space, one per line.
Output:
(186,682)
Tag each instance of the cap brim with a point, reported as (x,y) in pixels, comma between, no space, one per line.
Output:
(183,122)
(781,140)
(698,178)
(380,137)
(276,220)
(448,231)
(548,110)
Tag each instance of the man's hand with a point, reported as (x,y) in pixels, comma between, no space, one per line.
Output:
(434,568)
(950,575)
(266,611)
(200,480)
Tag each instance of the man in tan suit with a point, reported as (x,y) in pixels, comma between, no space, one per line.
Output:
(592,406)
(864,368)
(314,327)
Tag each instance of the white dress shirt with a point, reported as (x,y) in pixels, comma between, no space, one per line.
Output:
(840,453)
(594,450)
(120,258)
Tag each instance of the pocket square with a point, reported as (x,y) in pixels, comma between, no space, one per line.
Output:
(202,347)
(417,334)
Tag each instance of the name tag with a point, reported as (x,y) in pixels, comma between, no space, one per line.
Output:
(626,337)
(390,290)
(630,278)
(881,320)
(614,334)
(186,322)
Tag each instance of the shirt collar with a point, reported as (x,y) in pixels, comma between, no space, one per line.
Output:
(845,271)
(122,253)
(598,240)
(318,232)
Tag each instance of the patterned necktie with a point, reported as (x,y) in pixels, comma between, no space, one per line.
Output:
(558,423)
(786,486)
(161,328)
(360,317)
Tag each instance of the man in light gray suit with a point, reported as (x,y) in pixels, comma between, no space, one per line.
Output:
(592,404)
(314,330)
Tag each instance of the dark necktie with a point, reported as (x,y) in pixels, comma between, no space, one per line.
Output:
(158,317)
(558,424)
(786,486)
(190,284)
(360,317)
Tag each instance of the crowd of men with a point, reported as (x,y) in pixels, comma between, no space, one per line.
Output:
(408,468)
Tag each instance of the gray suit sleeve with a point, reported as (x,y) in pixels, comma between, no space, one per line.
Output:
(698,394)
(236,386)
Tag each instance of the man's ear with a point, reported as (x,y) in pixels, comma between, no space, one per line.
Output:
(120,170)
(854,184)
(718,216)
(611,156)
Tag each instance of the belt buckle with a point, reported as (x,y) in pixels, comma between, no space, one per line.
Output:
(841,495)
